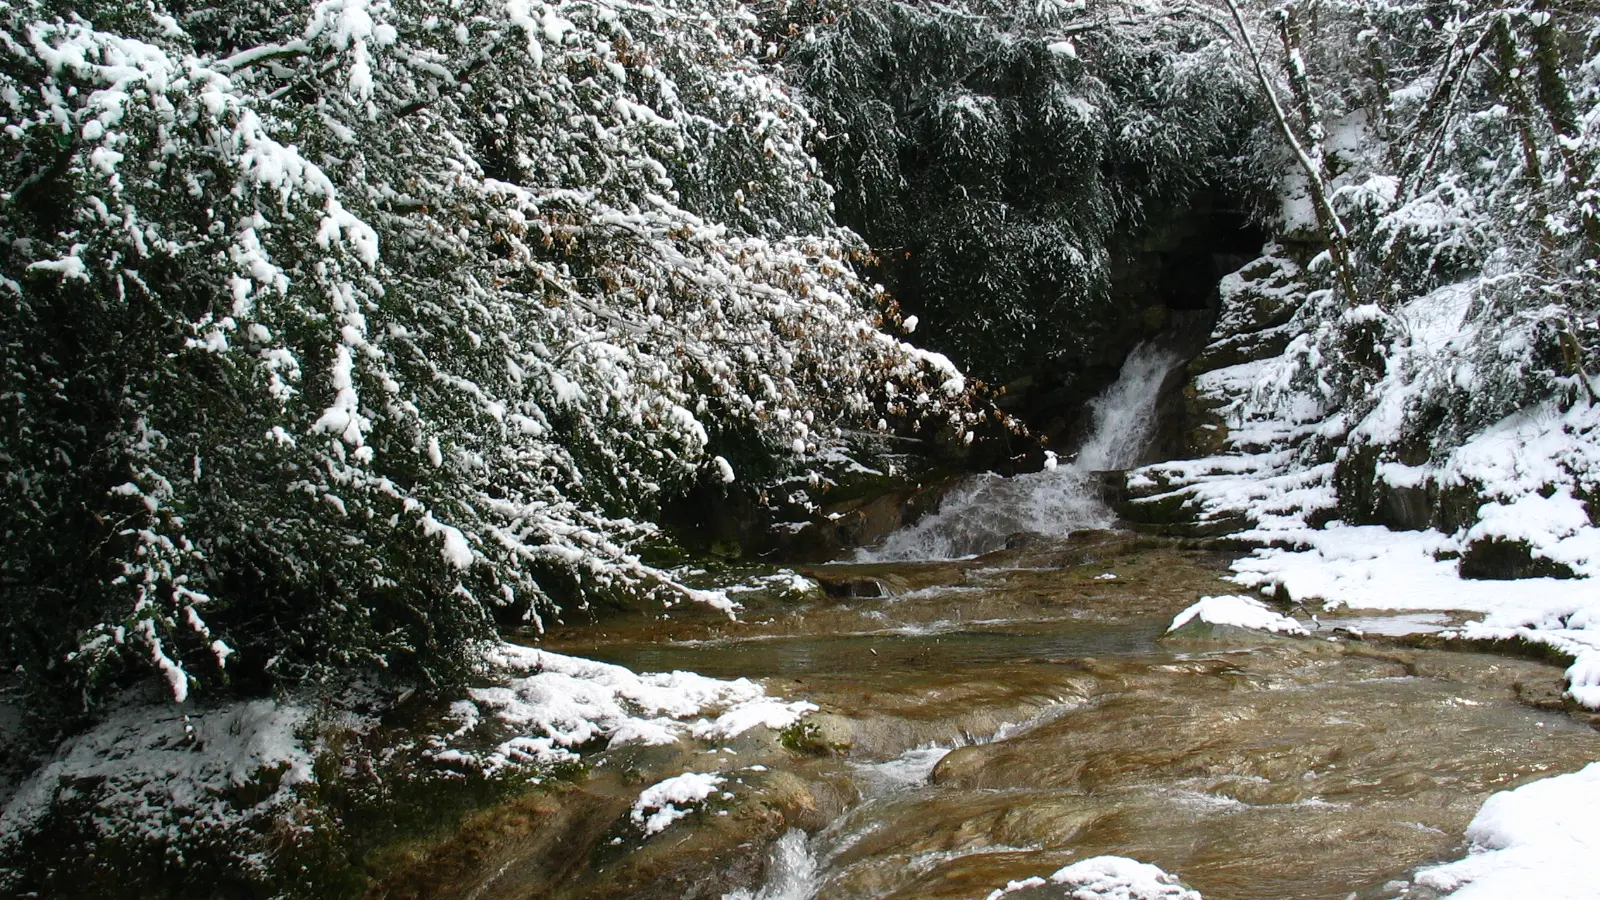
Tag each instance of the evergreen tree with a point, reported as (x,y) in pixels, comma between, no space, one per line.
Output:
(1000,158)
(332,333)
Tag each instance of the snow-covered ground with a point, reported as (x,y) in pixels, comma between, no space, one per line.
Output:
(1523,481)
(157,769)
(1372,567)
(1375,568)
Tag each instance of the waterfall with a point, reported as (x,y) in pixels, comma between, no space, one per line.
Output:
(977,516)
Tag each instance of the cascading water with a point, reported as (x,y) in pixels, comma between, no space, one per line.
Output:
(791,871)
(978,516)
(1124,415)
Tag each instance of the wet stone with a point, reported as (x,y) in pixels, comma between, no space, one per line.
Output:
(998,718)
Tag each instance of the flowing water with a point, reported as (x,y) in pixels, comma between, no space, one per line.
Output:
(1002,717)
(978,516)
(994,718)
(1123,418)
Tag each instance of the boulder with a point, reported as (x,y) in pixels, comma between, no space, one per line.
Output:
(1501,559)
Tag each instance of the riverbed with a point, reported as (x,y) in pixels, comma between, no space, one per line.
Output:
(989,719)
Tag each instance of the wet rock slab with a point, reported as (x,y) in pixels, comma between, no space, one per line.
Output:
(1249,765)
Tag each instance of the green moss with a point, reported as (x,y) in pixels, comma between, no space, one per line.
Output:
(1162,509)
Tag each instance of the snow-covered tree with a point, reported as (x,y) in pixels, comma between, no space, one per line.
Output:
(335,331)
(1001,157)
(1463,153)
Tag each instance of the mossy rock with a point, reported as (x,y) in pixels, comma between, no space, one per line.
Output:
(1199,530)
(1366,499)
(525,847)
(1162,509)
(819,734)
(1243,348)
(1207,433)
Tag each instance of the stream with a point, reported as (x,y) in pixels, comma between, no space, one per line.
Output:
(1004,716)
(991,714)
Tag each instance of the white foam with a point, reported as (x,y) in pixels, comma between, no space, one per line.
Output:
(908,770)
(791,871)
(1125,414)
(978,516)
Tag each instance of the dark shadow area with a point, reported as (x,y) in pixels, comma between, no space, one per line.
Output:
(1225,242)
(1164,287)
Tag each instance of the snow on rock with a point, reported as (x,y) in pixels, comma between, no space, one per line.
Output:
(1533,466)
(783,581)
(553,704)
(1232,609)
(1371,567)
(671,800)
(743,716)
(156,769)
(1539,840)
(1104,878)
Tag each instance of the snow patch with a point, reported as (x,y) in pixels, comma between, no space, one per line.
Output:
(672,800)
(549,705)
(1107,878)
(1232,609)
(1539,840)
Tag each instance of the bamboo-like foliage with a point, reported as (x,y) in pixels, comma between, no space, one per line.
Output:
(1001,157)
(335,331)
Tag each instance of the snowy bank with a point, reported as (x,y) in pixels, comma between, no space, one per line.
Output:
(1540,840)
(1523,480)
(160,771)
(1357,502)
(1421,491)
(247,790)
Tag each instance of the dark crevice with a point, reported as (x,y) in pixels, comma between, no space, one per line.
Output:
(1164,287)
